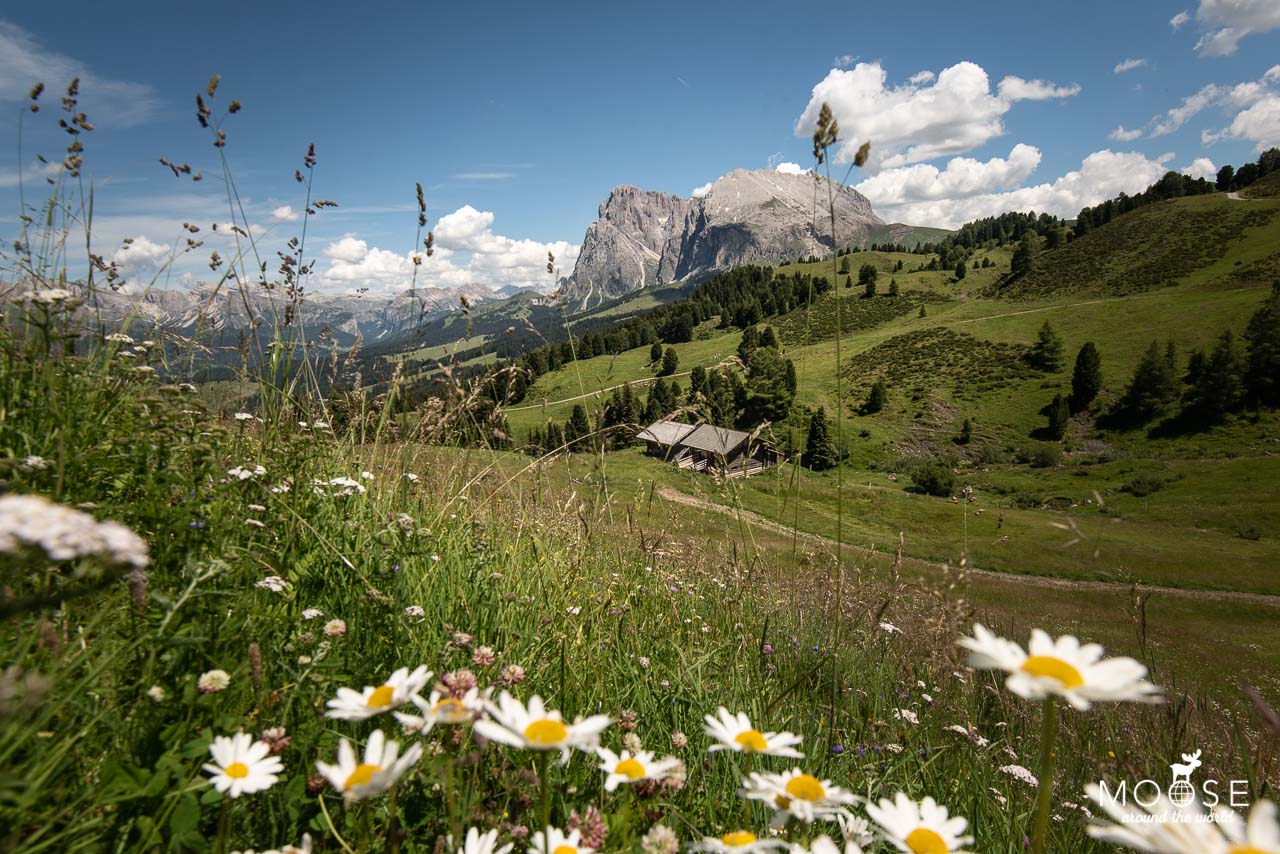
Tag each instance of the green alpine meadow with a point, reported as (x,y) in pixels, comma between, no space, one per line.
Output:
(409,444)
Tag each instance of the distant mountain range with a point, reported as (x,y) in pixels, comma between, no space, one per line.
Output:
(643,237)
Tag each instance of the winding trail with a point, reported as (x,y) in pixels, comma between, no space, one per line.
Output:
(1040,581)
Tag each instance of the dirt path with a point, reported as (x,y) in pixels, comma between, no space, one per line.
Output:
(678,497)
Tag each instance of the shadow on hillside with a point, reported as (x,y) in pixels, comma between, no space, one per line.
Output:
(1185,423)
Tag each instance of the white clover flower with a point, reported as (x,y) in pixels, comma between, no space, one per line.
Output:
(536,728)
(245,472)
(629,767)
(312,613)
(274,583)
(1063,668)
(381,769)
(443,709)
(335,628)
(734,732)
(35,463)
(919,827)
(737,842)
(476,842)
(400,688)
(553,840)
(244,416)
(366,475)
(242,766)
(660,840)
(29,522)
(157,694)
(795,793)
(411,477)
(414,611)
(213,681)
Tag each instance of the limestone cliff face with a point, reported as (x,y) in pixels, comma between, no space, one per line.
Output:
(644,237)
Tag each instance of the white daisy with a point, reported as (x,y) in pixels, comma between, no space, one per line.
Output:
(737,842)
(1079,674)
(381,768)
(440,708)
(554,841)
(734,732)
(476,842)
(1166,828)
(241,765)
(919,828)
(400,688)
(536,728)
(797,794)
(825,845)
(633,767)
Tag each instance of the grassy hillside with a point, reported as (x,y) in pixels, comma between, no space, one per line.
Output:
(1197,239)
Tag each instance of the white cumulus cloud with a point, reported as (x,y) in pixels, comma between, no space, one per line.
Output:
(1179,19)
(467,252)
(1225,22)
(141,254)
(925,118)
(1101,175)
(791,169)
(284,213)
(1128,65)
(699,192)
(1260,124)
(1201,167)
(1123,134)
(963,177)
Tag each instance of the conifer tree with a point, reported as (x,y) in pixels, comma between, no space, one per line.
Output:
(1059,417)
(819,448)
(655,353)
(1153,386)
(670,361)
(1046,353)
(1086,379)
(877,399)
(1262,337)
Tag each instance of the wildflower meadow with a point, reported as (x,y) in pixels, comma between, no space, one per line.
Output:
(291,630)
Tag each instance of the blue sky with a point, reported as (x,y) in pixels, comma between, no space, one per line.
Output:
(519,118)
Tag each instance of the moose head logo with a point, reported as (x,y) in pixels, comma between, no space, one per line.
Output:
(1182,772)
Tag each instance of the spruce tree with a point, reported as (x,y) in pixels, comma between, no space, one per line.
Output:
(867,276)
(1025,253)
(1220,388)
(1059,417)
(577,429)
(1262,337)
(893,287)
(1046,353)
(923,311)
(962,269)
(819,448)
(877,399)
(1153,386)
(750,341)
(1086,379)
(655,353)
(670,361)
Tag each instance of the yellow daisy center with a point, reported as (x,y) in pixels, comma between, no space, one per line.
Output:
(738,838)
(450,708)
(236,770)
(565,849)
(361,776)
(922,840)
(1245,849)
(782,801)
(381,697)
(546,732)
(1049,667)
(806,787)
(630,768)
(751,740)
